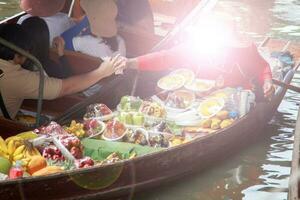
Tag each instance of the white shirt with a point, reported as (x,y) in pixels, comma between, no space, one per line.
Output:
(57,24)
(94,46)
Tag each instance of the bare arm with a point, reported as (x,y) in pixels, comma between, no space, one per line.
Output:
(81,82)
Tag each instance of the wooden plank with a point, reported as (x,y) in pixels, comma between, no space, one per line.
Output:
(293,182)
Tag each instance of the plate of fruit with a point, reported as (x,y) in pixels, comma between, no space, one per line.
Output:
(129,104)
(188,74)
(98,111)
(132,119)
(94,128)
(171,82)
(210,107)
(115,131)
(180,101)
(153,111)
(200,86)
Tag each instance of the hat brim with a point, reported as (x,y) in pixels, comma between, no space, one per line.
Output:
(42,8)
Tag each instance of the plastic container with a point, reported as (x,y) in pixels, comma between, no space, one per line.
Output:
(16,171)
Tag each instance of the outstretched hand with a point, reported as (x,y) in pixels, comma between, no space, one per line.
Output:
(269,89)
(113,65)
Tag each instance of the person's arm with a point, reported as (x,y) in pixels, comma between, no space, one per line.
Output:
(79,83)
(159,61)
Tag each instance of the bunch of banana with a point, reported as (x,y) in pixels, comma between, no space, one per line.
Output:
(3,149)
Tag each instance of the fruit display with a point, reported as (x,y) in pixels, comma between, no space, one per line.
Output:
(76,129)
(180,99)
(137,137)
(153,109)
(115,131)
(171,82)
(135,126)
(93,127)
(130,104)
(132,118)
(99,111)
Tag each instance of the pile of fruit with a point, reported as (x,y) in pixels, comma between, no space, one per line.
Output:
(220,121)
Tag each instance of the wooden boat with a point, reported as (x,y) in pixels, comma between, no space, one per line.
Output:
(130,176)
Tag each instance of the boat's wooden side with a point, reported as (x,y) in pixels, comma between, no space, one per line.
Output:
(294,185)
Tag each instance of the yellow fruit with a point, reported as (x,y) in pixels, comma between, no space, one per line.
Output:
(48,170)
(206,123)
(215,125)
(27,135)
(36,163)
(226,123)
(222,115)
(18,157)
(11,147)
(19,150)
(12,138)
(3,146)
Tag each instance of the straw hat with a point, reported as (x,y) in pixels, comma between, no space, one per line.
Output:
(42,8)
(102,16)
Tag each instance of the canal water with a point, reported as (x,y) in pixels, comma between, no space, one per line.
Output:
(260,171)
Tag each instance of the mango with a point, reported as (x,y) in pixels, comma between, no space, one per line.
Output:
(222,115)
(48,170)
(225,123)
(206,123)
(36,163)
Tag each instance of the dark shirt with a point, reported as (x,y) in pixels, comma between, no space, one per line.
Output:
(131,11)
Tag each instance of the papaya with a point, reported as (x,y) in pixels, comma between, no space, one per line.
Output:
(36,163)
(222,115)
(48,170)
(206,123)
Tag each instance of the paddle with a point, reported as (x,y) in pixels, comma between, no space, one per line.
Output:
(288,86)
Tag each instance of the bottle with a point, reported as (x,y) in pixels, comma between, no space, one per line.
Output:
(16,171)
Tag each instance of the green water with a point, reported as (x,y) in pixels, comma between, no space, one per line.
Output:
(262,170)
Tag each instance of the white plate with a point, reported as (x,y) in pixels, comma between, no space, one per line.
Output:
(213,111)
(191,86)
(175,82)
(103,125)
(188,74)
(115,139)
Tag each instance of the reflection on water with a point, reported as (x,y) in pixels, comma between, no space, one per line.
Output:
(260,171)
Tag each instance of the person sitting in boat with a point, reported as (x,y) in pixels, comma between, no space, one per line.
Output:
(237,63)
(18,84)
(137,14)
(96,35)
(58,22)
(38,31)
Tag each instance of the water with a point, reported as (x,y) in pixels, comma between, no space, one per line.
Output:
(262,170)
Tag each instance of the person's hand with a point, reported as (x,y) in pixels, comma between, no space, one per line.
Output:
(269,89)
(131,63)
(112,65)
(59,45)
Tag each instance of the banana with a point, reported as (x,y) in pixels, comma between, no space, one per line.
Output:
(4,154)
(12,138)
(3,146)
(36,152)
(11,147)
(18,157)
(27,153)
(27,135)
(19,150)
